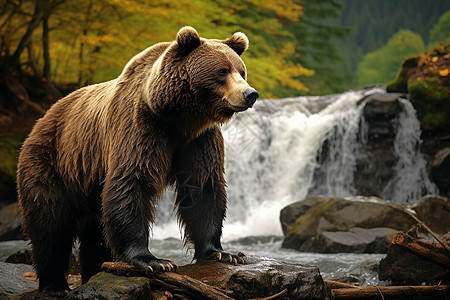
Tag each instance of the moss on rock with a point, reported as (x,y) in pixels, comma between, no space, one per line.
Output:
(426,79)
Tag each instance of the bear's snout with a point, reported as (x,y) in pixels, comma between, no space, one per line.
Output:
(250,95)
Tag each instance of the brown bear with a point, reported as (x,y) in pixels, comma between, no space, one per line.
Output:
(94,166)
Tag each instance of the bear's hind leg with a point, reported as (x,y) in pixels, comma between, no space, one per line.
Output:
(94,250)
(52,236)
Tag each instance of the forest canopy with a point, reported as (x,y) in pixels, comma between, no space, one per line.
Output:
(88,41)
(297,47)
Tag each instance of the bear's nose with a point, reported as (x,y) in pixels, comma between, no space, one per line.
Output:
(250,95)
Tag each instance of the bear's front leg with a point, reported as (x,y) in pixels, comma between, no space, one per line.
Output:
(129,198)
(201,196)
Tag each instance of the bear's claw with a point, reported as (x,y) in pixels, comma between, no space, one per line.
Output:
(159,266)
(231,258)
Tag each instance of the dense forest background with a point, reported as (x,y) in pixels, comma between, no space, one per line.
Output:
(297,47)
(415,24)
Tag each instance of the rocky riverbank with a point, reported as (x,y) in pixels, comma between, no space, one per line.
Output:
(357,224)
(260,277)
(319,224)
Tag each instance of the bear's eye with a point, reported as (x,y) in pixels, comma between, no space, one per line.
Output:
(243,74)
(223,72)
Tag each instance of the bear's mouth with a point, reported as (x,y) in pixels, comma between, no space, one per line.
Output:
(237,108)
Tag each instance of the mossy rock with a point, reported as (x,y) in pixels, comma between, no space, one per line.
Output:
(400,84)
(108,286)
(431,100)
(427,81)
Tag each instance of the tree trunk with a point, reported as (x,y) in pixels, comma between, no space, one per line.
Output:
(45,41)
(32,25)
(32,59)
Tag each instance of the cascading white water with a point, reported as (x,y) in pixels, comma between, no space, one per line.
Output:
(271,156)
(272,153)
(411,180)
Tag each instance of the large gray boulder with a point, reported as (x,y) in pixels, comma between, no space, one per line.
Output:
(339,214)
(356,240)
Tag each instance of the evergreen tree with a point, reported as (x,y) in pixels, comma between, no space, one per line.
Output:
(313,35)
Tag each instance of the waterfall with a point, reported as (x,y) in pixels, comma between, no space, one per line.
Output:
(411,180)
(275,156)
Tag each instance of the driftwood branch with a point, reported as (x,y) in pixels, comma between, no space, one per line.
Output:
(424,226)
(400,292)
(432,252)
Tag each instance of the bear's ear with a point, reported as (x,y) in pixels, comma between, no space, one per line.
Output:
(238,42)
(187,39)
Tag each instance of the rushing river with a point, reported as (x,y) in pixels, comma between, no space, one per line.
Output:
(271,157)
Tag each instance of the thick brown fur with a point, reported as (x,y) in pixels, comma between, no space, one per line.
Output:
(94,166)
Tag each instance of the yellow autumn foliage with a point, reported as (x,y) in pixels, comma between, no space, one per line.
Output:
(91,41)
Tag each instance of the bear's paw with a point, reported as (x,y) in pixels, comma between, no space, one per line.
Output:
(223,256)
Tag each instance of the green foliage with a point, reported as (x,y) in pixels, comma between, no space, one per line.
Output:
(381,66)
(441,32)
(375,21)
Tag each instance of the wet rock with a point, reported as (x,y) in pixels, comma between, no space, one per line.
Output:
(339,214)
(439,171)
(356,240)
(379,113)
(10,223)
(383,105)
(260,277)
(12,282)
(404,268)
(434,211)
(109,286)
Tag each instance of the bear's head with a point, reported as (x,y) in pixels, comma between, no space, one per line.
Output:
(200,81)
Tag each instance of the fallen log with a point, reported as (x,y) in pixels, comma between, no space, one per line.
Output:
(433,252)
(172,282)
(393,292)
